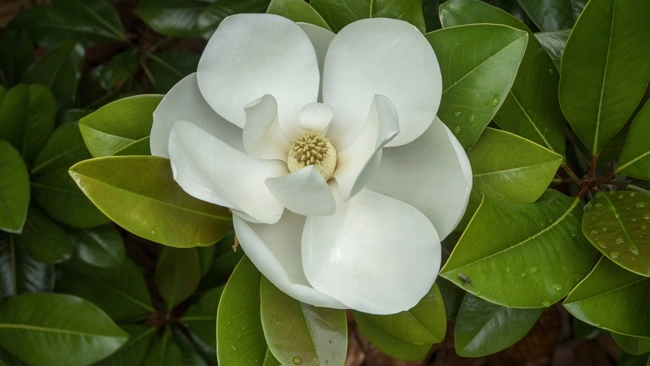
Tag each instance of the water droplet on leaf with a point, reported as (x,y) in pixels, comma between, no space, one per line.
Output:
(470,118)
(550,71)
(619,241)
(297,360)
(633,249)
(598,205)
(534,269)
(546,303)
(478,293)
(614,254)
(640,205)
(523,274)
(457,114)
(458,129)
(558,287)
(508,269)
(593,232)
(646,216)
(601,244)
(495,100)
(632,194)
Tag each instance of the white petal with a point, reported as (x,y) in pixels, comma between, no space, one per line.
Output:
(321,39)
(359,161)
(263,137)
(376,254)
(275,251)
(304,192)
(210,170)
(431,173)
(251,55)
(185,102)
(387,57)
(315,117)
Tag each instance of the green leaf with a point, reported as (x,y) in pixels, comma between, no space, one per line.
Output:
(14,189)
(483,328)
(219,10)
(72,331)
(172,350)
(240,337)
(59,70)
(554,43)
(452,297)
(338,14)
(635,158)
(139,147)
(88,21)
(522,255)
(201,318)
(64,148)
(169,67)
(101,246)
(297,332)
(632,345)
(206,257)
(134,351)
(19,273)
(16,54)
(531,109)
(479,63)
(614,299)
(630,360)
(298,11)
(118,124)
(407,335)
(549,15)
(104,80)
(430,11)
(27,113)
(58,195)
(43,239)
(616,224)
(121,291)
(7,359)
(139,194)
(604,73)
(177,274)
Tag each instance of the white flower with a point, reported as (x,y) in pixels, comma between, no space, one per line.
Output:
(336,201)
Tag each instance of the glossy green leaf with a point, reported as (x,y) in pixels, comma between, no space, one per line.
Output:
(224,262)
(16,54)
(134,350)
(616,223)
(484,328)
(297,332)
(604,69)
(206,257)
(614,299)
(452,297)
(104,80)
(430,11)
(72,115)
(14,189)
(201,318)
(522,255)
(479,63)
(20,273)
(118,124)
(531,108)
(88,21)
(631,360)
(172,350)
(298,11)
(58,195)
(72,331)
(169,67)
(6,359)
(101,246)
(139,147)
(177,274)
(240,338)
(338,14)
(121,291)
(635,157)
(139,194)
(64,148)
(59,70)
(632,345)
(27,113)
(550,15)
(219,10)
(43,239)
(410,334)
(554,43)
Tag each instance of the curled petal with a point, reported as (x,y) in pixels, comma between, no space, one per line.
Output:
(315,117)
(359,161)
(210,170)
(387,57)
(251,55)
(195,110)
(304,192)
(375,254)
(320,39)
(263,138)
(275,251)
(431,173)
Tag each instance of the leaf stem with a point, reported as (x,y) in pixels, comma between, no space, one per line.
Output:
(571,174)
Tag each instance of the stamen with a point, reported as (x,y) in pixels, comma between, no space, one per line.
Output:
(312,149)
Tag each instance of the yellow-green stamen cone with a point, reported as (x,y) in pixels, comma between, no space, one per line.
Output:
(312,149)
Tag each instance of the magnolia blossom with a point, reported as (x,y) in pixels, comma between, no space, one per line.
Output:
(326,147)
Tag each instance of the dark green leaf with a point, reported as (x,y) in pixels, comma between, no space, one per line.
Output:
(72,115)
(483,328)
(118,124)
(139,147)
(27,113)
(298,11)
(172,350)
(99,15)
(64,148)
(177,274)
(549,15)
(139,194)
(171,17)
(14,189)
(16,54)
(635,158)
(452,296)
(430,11)
(72,331)
(206,257)
(522,255)
(43,239)
(553,43)
(479,63)
(632,345)
(604,69)
(201,318)
(297,332)
(630,360)
(219,10)
(584,331)
(19,273)
(338,14)
(169,67)
(101,246)
(106,79)
(410,334)
(6,359)
(531,108)
(134,351)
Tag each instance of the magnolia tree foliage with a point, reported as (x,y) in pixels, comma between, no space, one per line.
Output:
(410,163)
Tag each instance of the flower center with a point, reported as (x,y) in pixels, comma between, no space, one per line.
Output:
(312,149)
